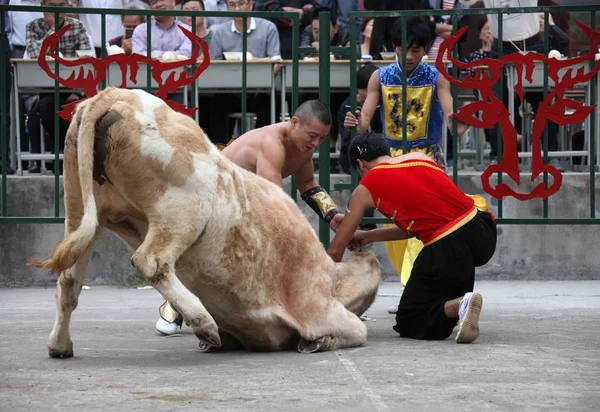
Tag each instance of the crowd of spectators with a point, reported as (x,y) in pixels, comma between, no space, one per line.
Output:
(267,39)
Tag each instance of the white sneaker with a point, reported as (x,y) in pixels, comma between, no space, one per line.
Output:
(166,328)
(393,309)
(468,317)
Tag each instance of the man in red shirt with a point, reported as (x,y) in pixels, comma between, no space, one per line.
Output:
(422,200)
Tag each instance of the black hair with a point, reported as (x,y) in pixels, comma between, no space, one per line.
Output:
(418,32)
(481,23)
(199,1)
(313,109)
(367,146)
(363,75)
(332,14)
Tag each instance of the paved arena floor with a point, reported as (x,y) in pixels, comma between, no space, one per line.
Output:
(539,350)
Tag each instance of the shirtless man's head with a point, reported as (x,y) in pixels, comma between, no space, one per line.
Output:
(309,125)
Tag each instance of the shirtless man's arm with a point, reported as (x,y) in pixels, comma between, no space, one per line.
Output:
(316,197)
(270,160)
(362,120)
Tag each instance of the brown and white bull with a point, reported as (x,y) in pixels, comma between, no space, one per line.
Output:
(230,250)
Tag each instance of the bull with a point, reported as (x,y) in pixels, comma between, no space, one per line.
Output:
(230,250)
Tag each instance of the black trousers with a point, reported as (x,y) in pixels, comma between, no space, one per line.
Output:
(43,113)
(443,271)
(5,61)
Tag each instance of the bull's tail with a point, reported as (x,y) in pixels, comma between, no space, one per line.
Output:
(76,242)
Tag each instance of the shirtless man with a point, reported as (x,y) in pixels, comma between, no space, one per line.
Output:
(275,152)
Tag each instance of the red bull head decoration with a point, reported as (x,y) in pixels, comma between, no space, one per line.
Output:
(90,81)
(487,72)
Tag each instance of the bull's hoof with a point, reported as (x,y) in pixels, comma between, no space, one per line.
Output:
(58,353)
(305,346)
(209,336)
(205,347)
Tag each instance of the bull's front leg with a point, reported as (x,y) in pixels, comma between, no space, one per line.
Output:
(155,260)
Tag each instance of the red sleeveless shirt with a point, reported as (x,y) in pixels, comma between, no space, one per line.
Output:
(419,197)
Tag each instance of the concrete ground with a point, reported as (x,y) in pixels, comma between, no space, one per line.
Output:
(538,350)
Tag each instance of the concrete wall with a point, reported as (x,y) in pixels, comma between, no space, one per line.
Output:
(524,252)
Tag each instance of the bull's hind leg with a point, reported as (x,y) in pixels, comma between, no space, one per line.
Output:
(68,288)
(155,260)
(341,329)
(357,282)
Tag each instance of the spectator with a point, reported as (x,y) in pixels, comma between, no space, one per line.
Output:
(93,22)
(343,9)
(262,37)
(443,24)
(165,32)
(262,42)
(43,111)
(5,105)
(382,26)
(366,30)
(362,82)
(13,46)
(521,32)
(201,30)
(304,9)
(558,38)
(130,22)
(338,36)
(216,5)
(18,22)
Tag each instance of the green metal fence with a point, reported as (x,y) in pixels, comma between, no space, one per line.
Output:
(403,15)
(4,111)
(324,92)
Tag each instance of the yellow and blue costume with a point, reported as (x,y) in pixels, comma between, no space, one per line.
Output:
(423,134)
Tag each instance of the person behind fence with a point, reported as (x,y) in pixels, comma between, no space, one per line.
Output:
(201,30)
(428,100)
(275,152)
(338,35)
(521,33)
(423,202)
(113,24)
(43,110)
(130,22)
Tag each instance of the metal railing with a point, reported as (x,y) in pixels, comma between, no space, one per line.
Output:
(4,111)
(324,90)
(591,121)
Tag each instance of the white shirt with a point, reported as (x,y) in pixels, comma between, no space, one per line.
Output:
(19,20)
(520,26)
(249,28)
(114,24)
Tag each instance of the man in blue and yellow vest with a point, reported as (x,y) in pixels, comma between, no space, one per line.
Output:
(428,99)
